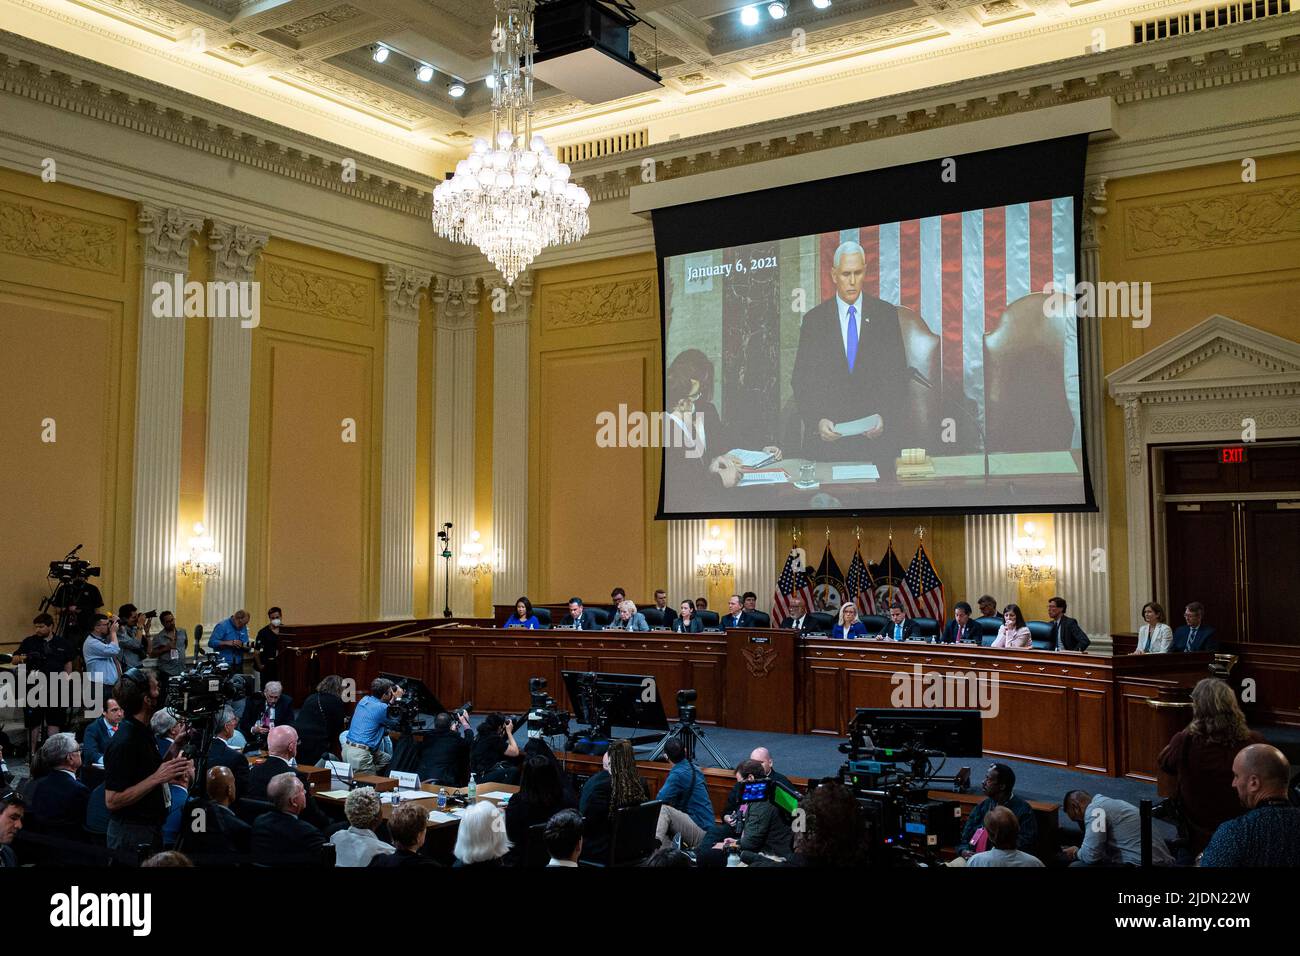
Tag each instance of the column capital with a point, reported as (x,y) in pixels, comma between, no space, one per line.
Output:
(402,287)
(455,300)
(1094,207)
(166,234)
(509,302)
(236,250)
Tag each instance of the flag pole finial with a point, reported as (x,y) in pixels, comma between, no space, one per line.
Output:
(919,531)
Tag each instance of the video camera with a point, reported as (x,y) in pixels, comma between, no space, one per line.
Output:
(70,570)
(545,719)
(200,692)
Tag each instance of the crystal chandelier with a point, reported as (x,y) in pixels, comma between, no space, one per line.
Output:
(510,197)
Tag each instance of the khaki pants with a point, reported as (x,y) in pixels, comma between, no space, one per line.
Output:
(673,822)
(362,760)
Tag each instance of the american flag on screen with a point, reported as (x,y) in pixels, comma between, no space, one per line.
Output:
(858,586)
(960,271)
(922,591)
(787,584)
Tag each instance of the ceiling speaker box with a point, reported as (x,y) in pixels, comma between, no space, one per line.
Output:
(583,49)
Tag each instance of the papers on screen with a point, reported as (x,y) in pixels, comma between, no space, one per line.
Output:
(762,478)
(867,472)
(751,459)
(859,426)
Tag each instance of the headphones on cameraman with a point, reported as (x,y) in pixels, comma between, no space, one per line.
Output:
(138,675)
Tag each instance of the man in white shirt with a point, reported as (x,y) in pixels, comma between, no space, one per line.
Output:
(1112,833)
(358,844)
(563,838)
(1004,832)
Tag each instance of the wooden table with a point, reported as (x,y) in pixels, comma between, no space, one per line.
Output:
(484,792)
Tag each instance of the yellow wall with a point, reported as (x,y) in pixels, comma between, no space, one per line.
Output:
(1209,244)
(69,287)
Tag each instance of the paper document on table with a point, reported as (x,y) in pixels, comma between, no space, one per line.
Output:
(335,794)
(750,459)
(404,795)
(867,472)
(859,426)
(763,478)
(437,816)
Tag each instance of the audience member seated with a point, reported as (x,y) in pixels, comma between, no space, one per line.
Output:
(1154,636)
(359,844)
(445,753)
(749,601)
(960,630)
(167,858)
(264,712)
(736,615)
(166,729)
(1013,632)
(1112,833)
(628,618)
(1200,759)
(523,616)
(687,811)
(495,755)
(797,620)
(988,605)
(900,626)
(617,786)
(12,809)
(999,791)
(99,732)
(1004,842)
(481,841)
(579,617)
(541,795)
(59,799)
(563,836)
(320,721)
(223,832)
(282,746)
(834,832)
(849,626)
(688,622)
(280,837)
(407,826)
(175,819)
(221,753)
(1195,635)
(1268,833)
(1067,635)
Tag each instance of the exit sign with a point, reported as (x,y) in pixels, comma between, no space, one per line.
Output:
(1232,455)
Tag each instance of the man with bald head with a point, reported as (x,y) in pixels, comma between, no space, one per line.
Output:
(850,366)
(280,838)
(222,832)
(764,756)
(282,748)
(1268,834)
(1004,838)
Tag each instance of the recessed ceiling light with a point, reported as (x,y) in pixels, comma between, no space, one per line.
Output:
(456,90)
(379,53)
(749,16)
(821,4)
(424,73)
(776,9)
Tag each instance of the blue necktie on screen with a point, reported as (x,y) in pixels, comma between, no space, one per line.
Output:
(853,337)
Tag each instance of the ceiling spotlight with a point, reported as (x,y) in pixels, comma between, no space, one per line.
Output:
(424,73)
(749,16)
(456,89)
(776,9)
(491,81)
(379,53)
(822,4)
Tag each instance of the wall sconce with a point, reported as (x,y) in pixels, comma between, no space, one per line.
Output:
(473,563)
(1028,563)
(712,561)
(204,560)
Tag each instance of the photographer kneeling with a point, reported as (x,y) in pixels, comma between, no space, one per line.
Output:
(363,747)
(444,755)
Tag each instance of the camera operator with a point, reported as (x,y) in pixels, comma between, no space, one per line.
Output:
(363,746)
(49,654)
(444,755)
(132,635)
(167,651)
(78,601)
(495,756)
(102,651)
(137,782)
(230,639)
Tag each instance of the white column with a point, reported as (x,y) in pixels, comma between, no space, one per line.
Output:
(988,539)
(684,539)
(755,558)
(455,326)
(402,288)
(510,361)
(166,234)
(1082,566)
(235,252)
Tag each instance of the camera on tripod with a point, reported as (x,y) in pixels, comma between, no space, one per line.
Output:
(68,571)
(545,719)
(200,692)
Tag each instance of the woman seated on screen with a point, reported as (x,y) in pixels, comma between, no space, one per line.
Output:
(1013,632)
(849,626)
(1155,636)
(524,616)
(687,622)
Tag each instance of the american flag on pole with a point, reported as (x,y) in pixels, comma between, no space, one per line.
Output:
(922,592)
(858,586)
(790,582)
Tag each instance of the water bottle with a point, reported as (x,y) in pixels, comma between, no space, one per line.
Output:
(733,857)
(473,789)
(442,798)
(397,798)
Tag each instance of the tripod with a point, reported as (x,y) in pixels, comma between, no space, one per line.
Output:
(691,736)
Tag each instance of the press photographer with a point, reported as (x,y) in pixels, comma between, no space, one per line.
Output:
(363,748)
(133,634)
(44,651)
(444,755)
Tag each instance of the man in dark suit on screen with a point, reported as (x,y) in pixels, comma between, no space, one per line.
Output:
(851,365)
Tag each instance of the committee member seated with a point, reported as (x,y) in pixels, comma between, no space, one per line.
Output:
(999,791)
(798,619)
(563,836)
(628,618)
(1195,635)
(280,838)
(495,755)
(1112,833)
(988,605)
(960,630)
(1067,635)
(736,615)
(1013,632)
(1004,842)
(444,754)
(579,617)
(687,621)
(1154,636)
(523,616)
(359,844)
(407,826)
(1268,834)
(1199,758)
(848,626)
(900,626)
